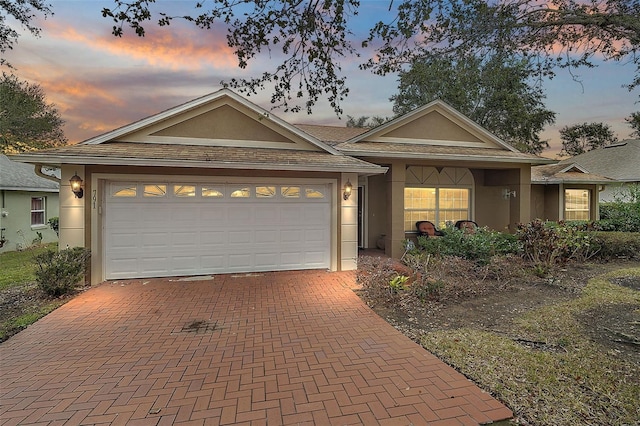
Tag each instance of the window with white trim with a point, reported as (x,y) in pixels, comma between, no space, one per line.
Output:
(576,204)
(38,212)
(438,205)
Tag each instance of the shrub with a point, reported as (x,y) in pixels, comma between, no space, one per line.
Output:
(623,213)
(59,273)
(548,244)
(479,247)
(614,245)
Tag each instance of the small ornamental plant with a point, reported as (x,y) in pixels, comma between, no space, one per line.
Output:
(60,273)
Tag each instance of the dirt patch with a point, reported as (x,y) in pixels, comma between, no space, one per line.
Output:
(495,305)
(617,328)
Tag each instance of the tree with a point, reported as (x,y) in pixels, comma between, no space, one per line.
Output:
(27,121)
(315,35)
(494,92)
(634,122)
(365,121)
(24,12)
(580,138)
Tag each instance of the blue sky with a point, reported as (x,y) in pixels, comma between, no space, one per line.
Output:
(99,82)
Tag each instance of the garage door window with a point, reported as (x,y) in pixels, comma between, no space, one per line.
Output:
(155,190)
(123,190)
(184,190)
(290,191)
(241,193)
(314,193)
(265,191)
(211,192)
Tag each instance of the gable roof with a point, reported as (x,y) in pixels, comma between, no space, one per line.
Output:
(435,131)
(565,173)
(22,177)
(619,161)
(219,130)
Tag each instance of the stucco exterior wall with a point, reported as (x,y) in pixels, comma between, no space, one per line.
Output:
(15,219)
(376,212)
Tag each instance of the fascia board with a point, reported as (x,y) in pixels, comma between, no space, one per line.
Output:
(148,162)
(148,121)
(457,157)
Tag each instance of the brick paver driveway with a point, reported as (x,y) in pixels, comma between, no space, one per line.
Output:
(274,348)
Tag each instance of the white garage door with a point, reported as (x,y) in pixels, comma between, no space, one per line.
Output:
(174,229)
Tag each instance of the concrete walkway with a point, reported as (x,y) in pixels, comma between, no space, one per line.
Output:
(275,348)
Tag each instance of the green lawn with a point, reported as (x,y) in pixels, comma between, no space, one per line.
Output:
(17,278)
(17,267)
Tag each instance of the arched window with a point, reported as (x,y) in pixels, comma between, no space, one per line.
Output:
(439,195)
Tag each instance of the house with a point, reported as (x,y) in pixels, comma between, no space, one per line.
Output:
(27,202)
(219,185)
(619,162)
(565,191)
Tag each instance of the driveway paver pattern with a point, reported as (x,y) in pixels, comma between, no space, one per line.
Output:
(277,348)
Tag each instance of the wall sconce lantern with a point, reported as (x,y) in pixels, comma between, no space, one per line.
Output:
(506,194)
(348,187)
(76,185)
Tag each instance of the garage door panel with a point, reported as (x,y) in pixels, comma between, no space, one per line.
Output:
(185,239)
(154,265)
(200,235)
(157,239)
(212,262)
(266,261)
(266,236)
(185,265)
(240,261)
(240,237)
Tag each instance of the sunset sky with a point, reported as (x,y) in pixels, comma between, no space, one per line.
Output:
(99,82)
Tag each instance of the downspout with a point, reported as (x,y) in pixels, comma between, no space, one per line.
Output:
(38,170)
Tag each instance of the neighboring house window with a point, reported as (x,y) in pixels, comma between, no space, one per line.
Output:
(576,204)
(438,205)
(38,215)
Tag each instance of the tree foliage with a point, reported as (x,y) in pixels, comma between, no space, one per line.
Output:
(23,12)
(365,121)
(315,35)
(27,121)
(580,138)
(634,122)
(495,92)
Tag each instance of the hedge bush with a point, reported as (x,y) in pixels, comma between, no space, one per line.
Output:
(59,273)
(617,245)
(479,247)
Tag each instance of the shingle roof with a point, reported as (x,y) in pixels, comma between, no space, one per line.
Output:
(387,149)
(22,177)
(620,161)
(564,173)
(148,154)
(332,134)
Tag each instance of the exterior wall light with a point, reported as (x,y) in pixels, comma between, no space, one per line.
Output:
(76,185)
(347,190)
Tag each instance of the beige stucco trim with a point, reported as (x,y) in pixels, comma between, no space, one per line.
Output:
(72,210)
(97,200)
(349,224)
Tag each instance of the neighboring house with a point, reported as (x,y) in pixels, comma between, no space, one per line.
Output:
(220,185)
(619,162)
(565,191)
(27,202)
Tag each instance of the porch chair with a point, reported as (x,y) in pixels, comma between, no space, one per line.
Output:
(428,229)
(467,226)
